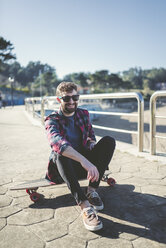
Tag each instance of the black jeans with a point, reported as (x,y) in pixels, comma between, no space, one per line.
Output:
(71,171)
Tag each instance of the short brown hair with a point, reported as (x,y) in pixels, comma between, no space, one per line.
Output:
(65,87)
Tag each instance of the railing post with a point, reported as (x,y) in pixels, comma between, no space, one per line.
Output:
(33,107)
(152,125)
(153,99)
(140,122)
(42,110)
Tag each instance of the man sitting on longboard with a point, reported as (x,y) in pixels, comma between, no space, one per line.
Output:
(75,154)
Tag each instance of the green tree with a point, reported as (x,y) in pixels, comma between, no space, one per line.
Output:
(135,76)
(46,83)
(100,79)
(6,48)
(78,78)
(153,76)
(114,81)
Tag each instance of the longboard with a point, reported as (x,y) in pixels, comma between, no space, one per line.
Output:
(32,186)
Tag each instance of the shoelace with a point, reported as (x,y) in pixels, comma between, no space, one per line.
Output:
(93,194)
(89,212)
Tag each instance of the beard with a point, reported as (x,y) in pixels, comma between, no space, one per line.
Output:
(69,108)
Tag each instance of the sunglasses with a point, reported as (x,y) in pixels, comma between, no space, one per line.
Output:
(67,98)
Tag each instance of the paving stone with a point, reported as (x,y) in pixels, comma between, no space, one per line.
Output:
(148,200)
(157,230)
(162,169)
(115,228)
(130,233)
(130,208)
(161,211)
(22,202)
(4,181)
(16,193)
(50,229)
(129,168)
(120,176)
(67,241)
(22,177)
(122,188)
(136,181)
(148,175)
(7,211)
(158,190)
(143,242)
(115,167)
(51,200)
(140,215)
(3,190)
(121,156)
(5,201)
(2,223)
(77,229)
(30,216)
(19,237)
(149,166)
(66,214)
(157,181)
(106,242)
(58,192)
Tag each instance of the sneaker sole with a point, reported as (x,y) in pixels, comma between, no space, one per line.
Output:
(98,207)
(93,228)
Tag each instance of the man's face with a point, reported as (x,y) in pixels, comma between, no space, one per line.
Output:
(69,107)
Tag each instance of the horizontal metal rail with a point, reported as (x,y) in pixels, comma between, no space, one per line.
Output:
(115,129)
(112,113)
(153,118)
(129,95)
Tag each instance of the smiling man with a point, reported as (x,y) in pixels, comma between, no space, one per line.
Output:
(76,155)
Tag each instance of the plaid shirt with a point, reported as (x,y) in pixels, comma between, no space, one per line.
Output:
(55,127)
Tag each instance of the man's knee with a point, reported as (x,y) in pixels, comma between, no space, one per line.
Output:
(109,141)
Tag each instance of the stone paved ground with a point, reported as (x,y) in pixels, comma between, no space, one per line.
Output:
(135,209)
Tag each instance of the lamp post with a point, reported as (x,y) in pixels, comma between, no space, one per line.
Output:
(40,83)
(11,80)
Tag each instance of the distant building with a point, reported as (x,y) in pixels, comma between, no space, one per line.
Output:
(83,90)
(161,86)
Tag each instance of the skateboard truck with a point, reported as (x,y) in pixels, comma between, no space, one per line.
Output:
(35,197)
(110,181)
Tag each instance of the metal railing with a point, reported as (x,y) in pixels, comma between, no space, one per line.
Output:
(129,95)
(153,117)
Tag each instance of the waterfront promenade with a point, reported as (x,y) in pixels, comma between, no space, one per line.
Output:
(135,209)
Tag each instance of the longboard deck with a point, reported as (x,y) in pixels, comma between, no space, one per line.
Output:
(42,182)
(33,184)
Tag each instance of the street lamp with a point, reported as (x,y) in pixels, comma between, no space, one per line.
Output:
(11,80)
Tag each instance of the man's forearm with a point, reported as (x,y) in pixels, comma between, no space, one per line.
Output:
(73,154)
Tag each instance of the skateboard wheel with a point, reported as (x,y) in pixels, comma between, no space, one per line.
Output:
(111,181)
(35,197)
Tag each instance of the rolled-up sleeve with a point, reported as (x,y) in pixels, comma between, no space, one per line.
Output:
(91,134)
(57,142)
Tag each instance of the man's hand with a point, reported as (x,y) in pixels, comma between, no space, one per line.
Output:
(92,144)
(93,174)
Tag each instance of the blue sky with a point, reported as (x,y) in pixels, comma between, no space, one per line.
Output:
(86,35)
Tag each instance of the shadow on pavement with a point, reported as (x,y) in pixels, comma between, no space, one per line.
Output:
(125,212)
